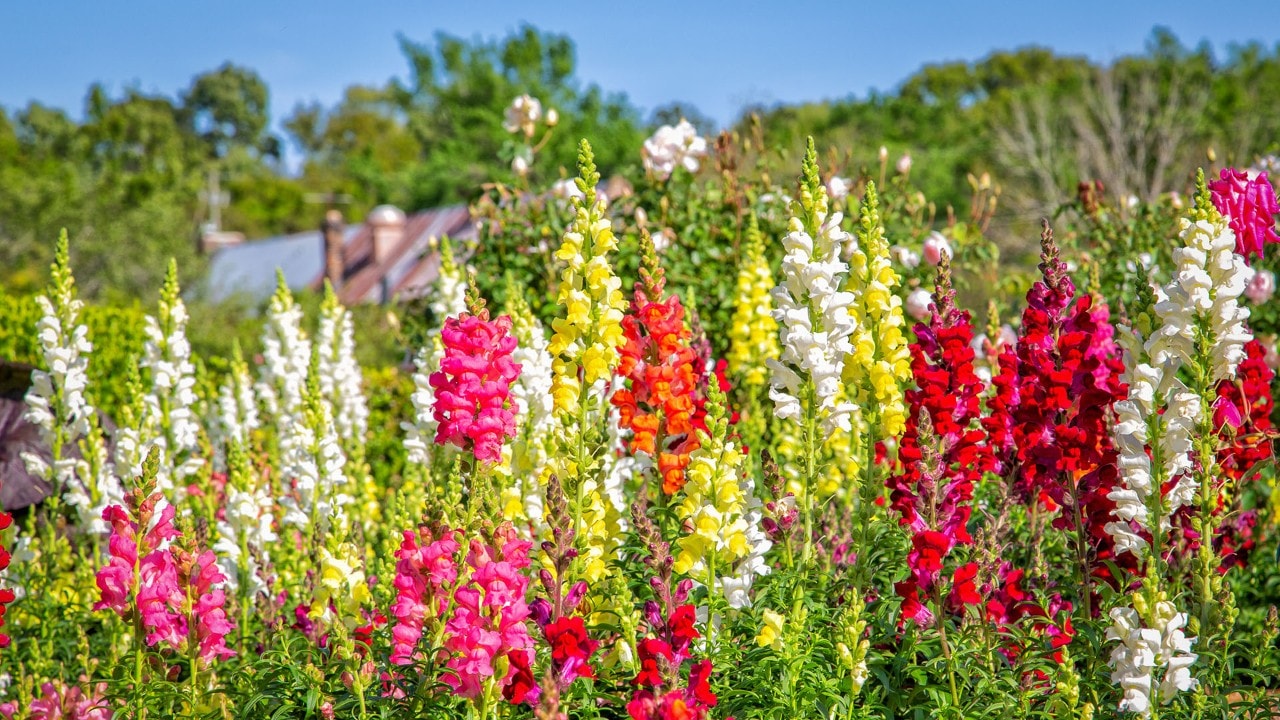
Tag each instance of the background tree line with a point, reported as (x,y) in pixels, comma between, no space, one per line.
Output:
(130,180)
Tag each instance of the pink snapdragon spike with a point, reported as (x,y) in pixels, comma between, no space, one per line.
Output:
(173,591)
(425,577)
(473,383)
(488,635)
(63,702)
(1249,204)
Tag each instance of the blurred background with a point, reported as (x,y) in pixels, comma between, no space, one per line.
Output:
(152,130)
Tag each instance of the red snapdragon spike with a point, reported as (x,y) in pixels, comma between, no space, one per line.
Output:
(933,486)
(6,595)
(1249,205)
(1050,416)
(571,648)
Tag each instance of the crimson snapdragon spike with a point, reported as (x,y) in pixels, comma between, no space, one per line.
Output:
(943,453)
(1243,414)
(564,632)
(1050,417)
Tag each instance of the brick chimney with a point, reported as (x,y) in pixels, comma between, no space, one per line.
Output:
(387,224)
(334,261)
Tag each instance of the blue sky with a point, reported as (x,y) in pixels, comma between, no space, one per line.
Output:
(715,55)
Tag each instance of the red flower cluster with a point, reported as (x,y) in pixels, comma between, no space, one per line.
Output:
(659,695)
(6,595)
(1249,205)
(1050,417)
(658,359)
(934,484)
(1009,605)
(571,649)
(1243,413)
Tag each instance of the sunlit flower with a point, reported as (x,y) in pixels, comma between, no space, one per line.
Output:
(671,147)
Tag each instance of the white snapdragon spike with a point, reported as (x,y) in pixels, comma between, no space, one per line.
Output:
(449,296)
(56,402)
(1209,278)
(671,147)
(420,435)
(169,404)
(286,355)
(237,409)
(813,317)
(316,465)
(535,419)
(340,378)
(1147,650)
(245,533)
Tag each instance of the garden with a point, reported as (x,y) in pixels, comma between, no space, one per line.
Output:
(721,440)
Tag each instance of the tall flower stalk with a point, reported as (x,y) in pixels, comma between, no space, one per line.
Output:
(56,402)
(169,404)
(815,328)
(340,379)
(753,334)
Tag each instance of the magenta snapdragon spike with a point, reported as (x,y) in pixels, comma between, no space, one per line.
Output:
(1249,205)
(473,384)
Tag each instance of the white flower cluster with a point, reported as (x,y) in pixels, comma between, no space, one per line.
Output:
(534,410)
(56,402)
(282,381)
(1209,278)
(420,435)
(1137,417)
(814,321)
(523,115)
(671,147)
(169,404)
(340,378)
(315,463)
(244,536)
(1143,651)
(237,409)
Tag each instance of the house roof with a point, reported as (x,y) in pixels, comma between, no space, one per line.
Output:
(410,267)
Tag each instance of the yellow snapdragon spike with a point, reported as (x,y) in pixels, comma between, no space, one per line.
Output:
(753,335)
(880,363)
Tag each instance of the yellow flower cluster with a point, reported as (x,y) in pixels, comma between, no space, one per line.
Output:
(753,337)
(880,362)
(341,585)
(713,505)
(591,294)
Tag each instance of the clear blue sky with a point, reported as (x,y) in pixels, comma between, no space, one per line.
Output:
(717,56)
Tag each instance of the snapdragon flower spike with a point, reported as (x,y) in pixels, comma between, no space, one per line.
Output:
(933,488)
(1050,416)
(426,575)
(169,404)
(661,693)
(753,336)
(658,362)
(487,636)
(584,343)
(879,363)
(6,595)
(812,312)
(473,384)
(340,378)
(56,402)
(1249,204)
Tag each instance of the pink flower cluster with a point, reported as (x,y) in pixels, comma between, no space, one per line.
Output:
(167,578)
(63,702)
(1249,204)
(472,385)
(486,636)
